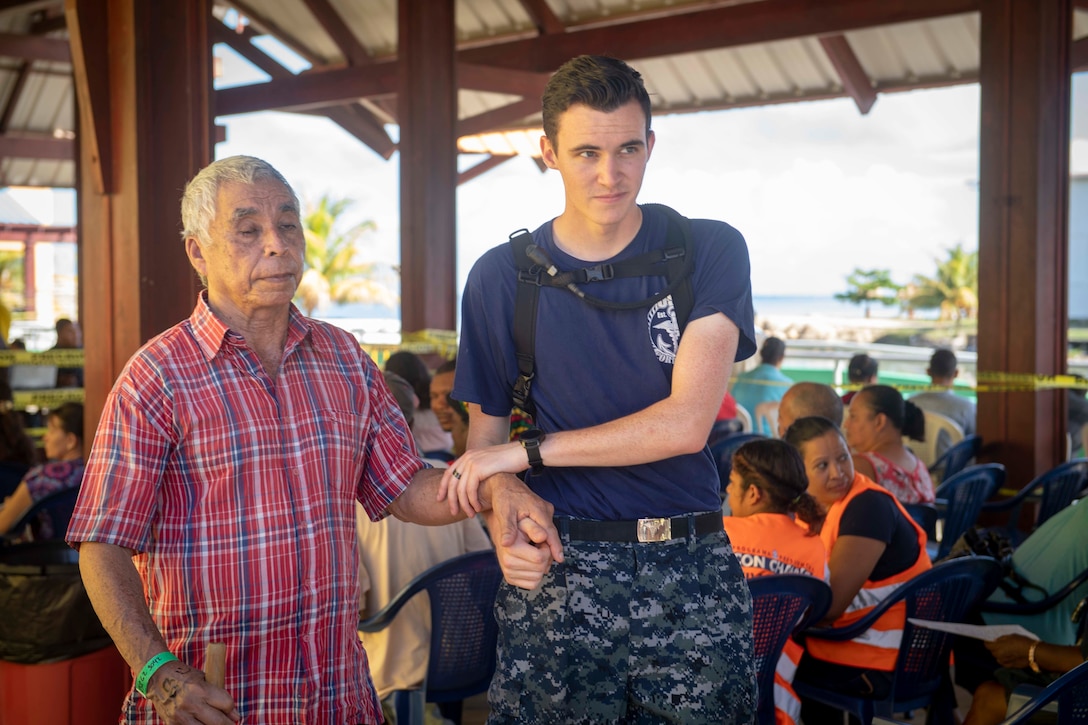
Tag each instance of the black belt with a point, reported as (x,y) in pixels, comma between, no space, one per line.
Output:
(639,530)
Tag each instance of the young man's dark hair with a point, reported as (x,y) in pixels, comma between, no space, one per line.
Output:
(943,364)
(600,82)
(773,351)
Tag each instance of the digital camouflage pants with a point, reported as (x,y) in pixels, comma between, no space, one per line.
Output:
(633,633)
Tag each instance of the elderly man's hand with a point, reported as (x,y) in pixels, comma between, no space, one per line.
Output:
(182,696)
(521,526)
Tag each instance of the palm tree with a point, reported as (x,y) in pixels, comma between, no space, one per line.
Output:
(333,272)
(869,286)
(954,289)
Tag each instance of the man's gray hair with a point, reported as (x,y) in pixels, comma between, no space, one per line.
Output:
(198,201)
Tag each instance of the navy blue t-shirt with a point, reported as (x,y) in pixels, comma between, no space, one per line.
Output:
(595,365)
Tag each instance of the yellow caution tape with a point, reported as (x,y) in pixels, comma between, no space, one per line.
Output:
(988,382)
(61,358)
(48,399)
(424,342)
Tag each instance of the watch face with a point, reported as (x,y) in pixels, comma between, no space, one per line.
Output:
(533,435)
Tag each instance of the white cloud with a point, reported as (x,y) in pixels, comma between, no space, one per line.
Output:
(816,188)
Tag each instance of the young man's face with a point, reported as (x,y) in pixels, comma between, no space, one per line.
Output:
(602,159)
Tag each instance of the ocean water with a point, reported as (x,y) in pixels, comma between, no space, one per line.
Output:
(813,305)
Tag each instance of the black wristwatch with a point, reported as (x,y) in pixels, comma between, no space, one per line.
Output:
(530,441)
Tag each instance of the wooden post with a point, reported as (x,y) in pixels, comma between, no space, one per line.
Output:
(1023,235)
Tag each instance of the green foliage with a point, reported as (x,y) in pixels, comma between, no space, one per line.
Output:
(953,290)
(333,272)
(12,287)
(870,286)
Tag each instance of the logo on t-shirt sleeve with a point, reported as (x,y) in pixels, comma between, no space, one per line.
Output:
(664,330)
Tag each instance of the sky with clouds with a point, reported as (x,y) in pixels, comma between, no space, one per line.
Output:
(816,188)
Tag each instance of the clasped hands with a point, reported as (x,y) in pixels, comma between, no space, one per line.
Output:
(483,481)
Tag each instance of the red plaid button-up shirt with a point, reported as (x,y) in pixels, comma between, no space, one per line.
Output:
(238,493)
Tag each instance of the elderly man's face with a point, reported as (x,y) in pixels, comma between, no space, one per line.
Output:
(254,260)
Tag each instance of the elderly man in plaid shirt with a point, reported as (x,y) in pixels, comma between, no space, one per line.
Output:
(219,498)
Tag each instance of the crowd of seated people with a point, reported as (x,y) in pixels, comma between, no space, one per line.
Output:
(870,538)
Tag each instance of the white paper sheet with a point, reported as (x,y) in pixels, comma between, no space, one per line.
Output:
(984,632)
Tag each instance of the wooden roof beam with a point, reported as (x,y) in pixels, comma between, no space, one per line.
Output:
(17,87)
(350,47)
(498,117)
(362,124)
(32,47)
(855,81)
(42,148)
(240,44)
(501,80)
(246,8)
(308,91)
(747,23)
(42,24)
(27,6)
(483,167)
(1078,55)
(543,17)
(87,26)
(318,89)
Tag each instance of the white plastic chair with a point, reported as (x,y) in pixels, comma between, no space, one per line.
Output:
(745,419)
(765,418)
(941,432)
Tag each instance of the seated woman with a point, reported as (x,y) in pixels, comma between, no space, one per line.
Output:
(1024,661)
(874,427)
(767,487)
(64,449)
(873,548)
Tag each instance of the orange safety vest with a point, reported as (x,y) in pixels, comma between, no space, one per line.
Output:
(774,544)
(878,647)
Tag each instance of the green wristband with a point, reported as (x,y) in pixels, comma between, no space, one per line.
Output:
(151,668)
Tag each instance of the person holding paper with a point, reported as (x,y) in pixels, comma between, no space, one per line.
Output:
(1024,660)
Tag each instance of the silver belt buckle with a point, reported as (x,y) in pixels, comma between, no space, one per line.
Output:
(654,530)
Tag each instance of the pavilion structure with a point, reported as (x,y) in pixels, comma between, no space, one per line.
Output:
(447,72)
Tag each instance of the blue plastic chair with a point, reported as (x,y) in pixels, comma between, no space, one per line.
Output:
(723,429)
(1069,692)
(464,633)
(946,593)
(723,450)
(1054,490)
(925,515)
(781,605)
(961,497)
(955,459)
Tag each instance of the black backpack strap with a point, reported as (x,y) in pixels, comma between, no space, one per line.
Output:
(525,307)
(677,256)
(679,268)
